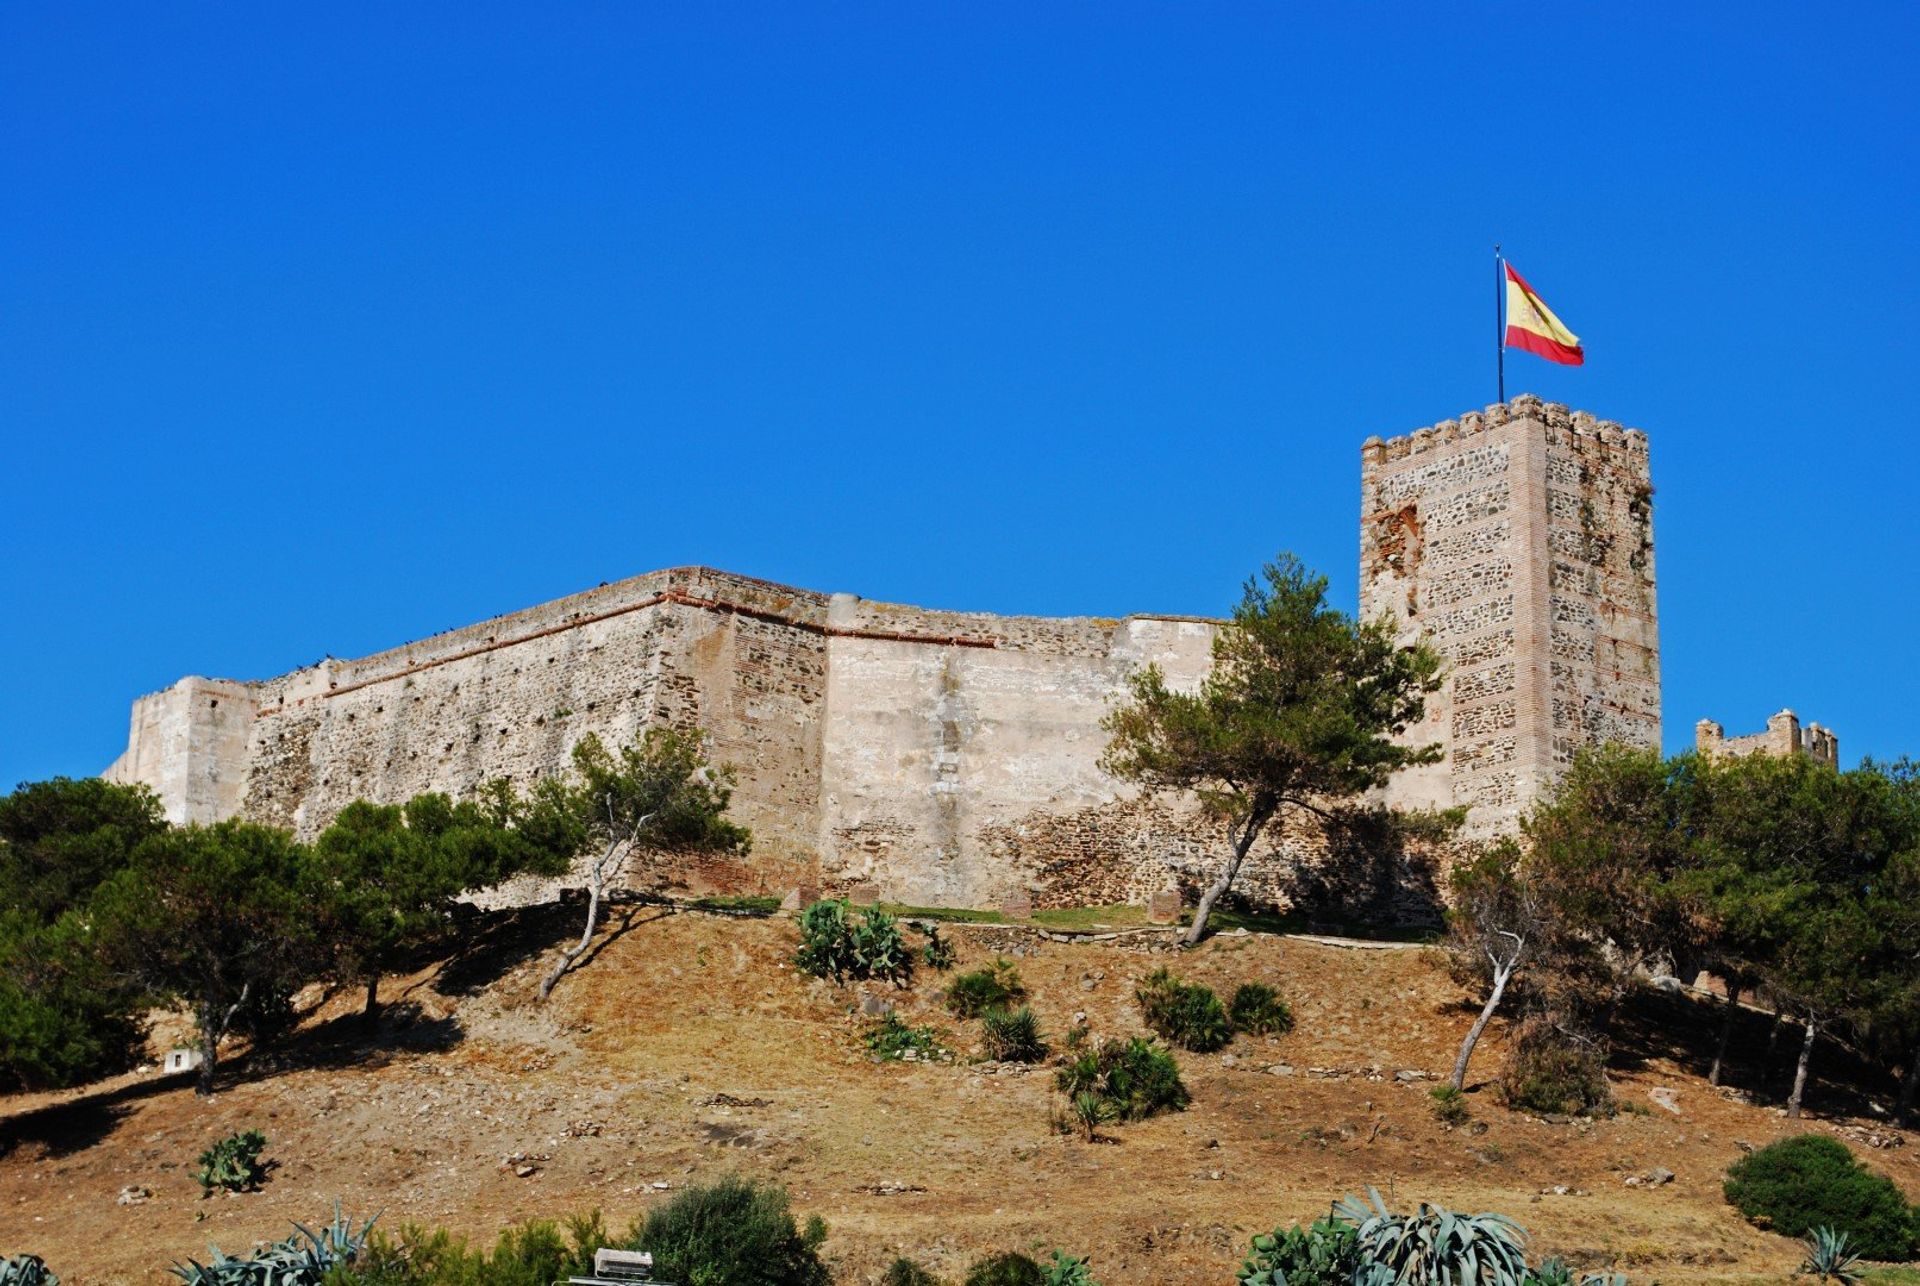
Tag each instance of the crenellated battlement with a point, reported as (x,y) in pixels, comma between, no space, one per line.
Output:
(1566,427)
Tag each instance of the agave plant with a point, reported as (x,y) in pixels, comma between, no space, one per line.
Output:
(1433,1246)
(303,1259)
(1829,1259)
(26,1270)
(1068,1270)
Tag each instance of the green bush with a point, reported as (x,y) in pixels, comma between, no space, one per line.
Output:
(1068,1270)
(937,955)
(1012,1036)
(889,1039)
(834,943)
(233,1164)
(1450,1106)
(529,1254)
(26,1270)
(1325,1254)
(1009,1268)
(1258,1010)
(997,986)
(1811,1181)
(1187,1014)
(1137,1077)
(905,1272)
(1549,1071)
(733,1232)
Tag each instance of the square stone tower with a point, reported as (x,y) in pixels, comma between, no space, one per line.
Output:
(1519,543)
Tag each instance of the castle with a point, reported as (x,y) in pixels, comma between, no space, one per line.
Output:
(951,758)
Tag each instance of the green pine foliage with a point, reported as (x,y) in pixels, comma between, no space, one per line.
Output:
(1258,1010)
(1450,1106)
(1186,1014)
(537,1253)
(997,986)
(1811,1181)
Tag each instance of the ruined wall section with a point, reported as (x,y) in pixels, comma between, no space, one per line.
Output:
(1519,543)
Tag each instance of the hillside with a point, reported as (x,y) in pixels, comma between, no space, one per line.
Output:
(689,1046)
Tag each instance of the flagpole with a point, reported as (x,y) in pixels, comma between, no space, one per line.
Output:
(1499,323)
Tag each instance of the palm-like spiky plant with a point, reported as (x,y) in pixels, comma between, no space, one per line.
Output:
(1829,1259)
(303,1259)
(26,1270)
(1433,1246)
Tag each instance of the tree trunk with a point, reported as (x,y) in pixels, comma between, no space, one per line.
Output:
(207,1025)
(1500,976)
(1909,1082)
(596,884)
(1726,1031)
(1800,1072)
(1218,889)
(372,1011)
(1773,1037)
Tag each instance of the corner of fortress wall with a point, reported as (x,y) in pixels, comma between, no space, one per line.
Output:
(1518,541)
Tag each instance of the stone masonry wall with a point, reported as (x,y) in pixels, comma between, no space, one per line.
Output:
(1519,542)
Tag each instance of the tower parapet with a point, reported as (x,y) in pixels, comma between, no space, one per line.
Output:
(1518,541)
(1784,735)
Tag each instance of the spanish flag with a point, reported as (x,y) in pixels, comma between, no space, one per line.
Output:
(1531,324)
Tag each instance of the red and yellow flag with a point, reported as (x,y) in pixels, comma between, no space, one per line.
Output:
(1531,324)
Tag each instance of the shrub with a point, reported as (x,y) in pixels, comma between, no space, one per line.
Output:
(733,1232)
(1325,1254)
(529,1254)
(233,1164)
(26,1270)
(889,1039)
(305,1259)
(1258,1010)
(937,953)
(905,1272)
(1186,1014)
(1811,1181)
(1136,1077)
(997,986)
(1012,1036)
(1009,1268)
(1450,1106)
(1548,1070)
(1087,1111)
(1435,1245)
(1068,1270)
(836,944)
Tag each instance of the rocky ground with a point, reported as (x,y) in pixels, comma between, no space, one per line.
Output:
(689,1046)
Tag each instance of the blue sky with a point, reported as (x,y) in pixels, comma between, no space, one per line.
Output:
(323,328)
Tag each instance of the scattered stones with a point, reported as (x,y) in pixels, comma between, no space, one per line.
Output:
(524,1165)
(1664,1097)
(728,1100)
(1229,1060)
(873,1006)
(1280,1069)
(889,1189)
(1657,1177)
(133,1194)
(584,1129)
(1408,1075)
(1873,1138)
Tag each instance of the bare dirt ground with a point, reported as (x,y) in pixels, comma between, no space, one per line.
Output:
(690,1047)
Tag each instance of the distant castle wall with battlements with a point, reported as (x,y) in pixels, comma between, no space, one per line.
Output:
(951,758)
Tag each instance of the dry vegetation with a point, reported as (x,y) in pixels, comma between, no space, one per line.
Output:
(689,1046)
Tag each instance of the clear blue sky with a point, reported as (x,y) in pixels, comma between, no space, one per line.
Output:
(326,327)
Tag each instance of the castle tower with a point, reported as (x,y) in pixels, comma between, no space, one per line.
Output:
(1519,543)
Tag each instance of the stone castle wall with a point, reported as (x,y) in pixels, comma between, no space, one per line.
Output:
(951,757)
(1519,542)
(1784,735)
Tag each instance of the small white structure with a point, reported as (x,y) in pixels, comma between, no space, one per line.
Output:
(618,1268)
(181,1061)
